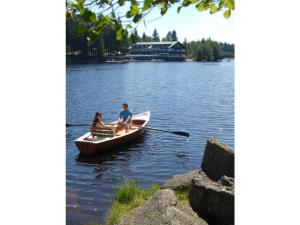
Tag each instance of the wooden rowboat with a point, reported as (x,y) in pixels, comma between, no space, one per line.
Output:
(87,144)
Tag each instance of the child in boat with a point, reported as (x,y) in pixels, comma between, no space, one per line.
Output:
(125,117)
(98,123)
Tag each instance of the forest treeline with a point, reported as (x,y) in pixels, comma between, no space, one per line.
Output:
(209,50)
(107,45)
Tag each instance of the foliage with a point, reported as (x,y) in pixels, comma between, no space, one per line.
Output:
(94,223)
(127,192)
(146,38)
(129,196)
(100,14)
(171,36)
(155,35)
(106,44)
(174,36)
(208,50)
(183,195)
(134,37)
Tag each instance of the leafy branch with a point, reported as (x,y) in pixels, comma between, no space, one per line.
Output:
(95,19)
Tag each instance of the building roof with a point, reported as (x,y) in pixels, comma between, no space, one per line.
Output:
(157,43)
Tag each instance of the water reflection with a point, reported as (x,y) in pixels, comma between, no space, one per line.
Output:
(102,161)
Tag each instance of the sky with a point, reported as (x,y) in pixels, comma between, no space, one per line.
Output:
(190,24)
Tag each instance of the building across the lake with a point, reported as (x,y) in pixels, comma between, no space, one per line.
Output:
(166,50)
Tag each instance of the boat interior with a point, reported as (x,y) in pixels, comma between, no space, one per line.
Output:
(106,133)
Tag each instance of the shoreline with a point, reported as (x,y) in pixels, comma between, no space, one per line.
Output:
(204,196)
(80,62)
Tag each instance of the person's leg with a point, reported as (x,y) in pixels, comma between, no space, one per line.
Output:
(128,125)
(114,129)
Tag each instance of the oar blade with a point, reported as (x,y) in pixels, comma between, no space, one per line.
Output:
(77,125)
(182,133)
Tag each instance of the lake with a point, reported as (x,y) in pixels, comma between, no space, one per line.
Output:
(196,97)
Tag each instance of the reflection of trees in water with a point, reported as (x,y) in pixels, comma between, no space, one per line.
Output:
(72,197)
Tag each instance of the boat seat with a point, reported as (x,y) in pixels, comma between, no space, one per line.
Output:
(103,131)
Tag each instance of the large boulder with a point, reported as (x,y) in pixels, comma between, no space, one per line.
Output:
(218,159)
(162,208)
(180,182)
(213,200)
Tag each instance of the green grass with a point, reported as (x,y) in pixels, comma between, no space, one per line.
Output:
(183,195)
(94,223)
(129,196)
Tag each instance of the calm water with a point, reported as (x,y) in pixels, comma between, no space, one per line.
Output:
(189,96)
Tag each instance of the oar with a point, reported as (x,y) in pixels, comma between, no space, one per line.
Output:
(81,125)
(77,125)
(182,133)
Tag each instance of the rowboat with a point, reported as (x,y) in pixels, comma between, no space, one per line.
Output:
(108,139)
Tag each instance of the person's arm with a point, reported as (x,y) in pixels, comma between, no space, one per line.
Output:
(129,117)
(92,126)
(120,117)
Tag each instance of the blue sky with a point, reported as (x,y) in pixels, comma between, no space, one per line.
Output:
(190,24)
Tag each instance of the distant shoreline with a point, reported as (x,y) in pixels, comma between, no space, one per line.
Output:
(124,61)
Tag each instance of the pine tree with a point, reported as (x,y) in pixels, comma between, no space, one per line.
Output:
(134,37)
(144,37)
(174,36)
(185,42)
(169,36)
(155,36)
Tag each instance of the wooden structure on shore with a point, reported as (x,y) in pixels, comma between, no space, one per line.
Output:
(166,51)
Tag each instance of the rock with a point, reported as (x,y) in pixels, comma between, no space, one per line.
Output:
(162,208)
(180,182)
(226,181)
(218,159)
(212,200)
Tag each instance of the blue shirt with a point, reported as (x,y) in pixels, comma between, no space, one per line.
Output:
(125,114)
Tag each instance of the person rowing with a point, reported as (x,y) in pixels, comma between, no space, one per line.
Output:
(125,117)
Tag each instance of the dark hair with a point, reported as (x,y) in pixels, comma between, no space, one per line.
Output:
(125,104)
(96,120)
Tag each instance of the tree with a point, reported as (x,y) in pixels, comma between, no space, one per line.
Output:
(102,13)
(101,46)
(209,50)
(74,41)
(174,36)
(217,52)
(185,42)
(155,35)
(200,54)
(134,37)
(168,36)
(146,38)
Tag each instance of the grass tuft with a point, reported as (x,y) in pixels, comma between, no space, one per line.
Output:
(94,223)
(129,196)
(183,195)
(127,192)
